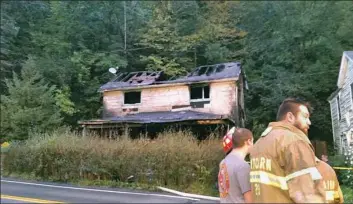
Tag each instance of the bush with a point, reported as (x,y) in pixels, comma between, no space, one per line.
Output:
(347,194)
(345,177)
(174,159)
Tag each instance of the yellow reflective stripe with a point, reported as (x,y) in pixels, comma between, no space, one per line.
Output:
(268,179)
(281,181)
(344,168)
(315,174)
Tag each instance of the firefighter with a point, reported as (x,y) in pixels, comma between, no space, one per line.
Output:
(333,193)
(282,161)
(233,177)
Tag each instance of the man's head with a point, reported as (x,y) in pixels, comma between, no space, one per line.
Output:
(243,139)
(296,112)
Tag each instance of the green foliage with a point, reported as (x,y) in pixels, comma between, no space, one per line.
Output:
(344,176)
(174,159)
(62,98)
(29,106)
(162,35)
(347,192)
(17,19)
(175,48)
(289,53)
(285,47)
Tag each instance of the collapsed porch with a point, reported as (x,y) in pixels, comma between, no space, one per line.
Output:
(149,124)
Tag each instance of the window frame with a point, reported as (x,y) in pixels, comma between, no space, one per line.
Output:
(203,92)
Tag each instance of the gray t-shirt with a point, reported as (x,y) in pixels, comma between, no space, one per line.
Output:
(233,179)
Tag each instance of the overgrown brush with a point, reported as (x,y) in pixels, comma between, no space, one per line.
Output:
(175,159)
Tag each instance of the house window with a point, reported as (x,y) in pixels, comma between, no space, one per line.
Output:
(199,93)
(338,107)
(352,94)
(132,97)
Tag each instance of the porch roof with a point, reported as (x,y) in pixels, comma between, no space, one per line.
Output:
(162,117)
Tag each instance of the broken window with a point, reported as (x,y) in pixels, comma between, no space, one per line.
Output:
(132,97)
(200,92)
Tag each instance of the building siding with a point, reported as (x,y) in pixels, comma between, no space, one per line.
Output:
(222,99)
(340,127)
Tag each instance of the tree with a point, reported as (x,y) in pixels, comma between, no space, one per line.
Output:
(29,106)
(292,52)
(183,34)
(17,20)
(162,37)
(217,38)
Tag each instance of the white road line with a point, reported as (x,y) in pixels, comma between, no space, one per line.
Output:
(98,190)
(188,194)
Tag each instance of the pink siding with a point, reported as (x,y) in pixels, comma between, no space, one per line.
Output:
(222,96)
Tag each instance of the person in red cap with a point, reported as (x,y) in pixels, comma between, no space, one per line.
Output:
(234,173)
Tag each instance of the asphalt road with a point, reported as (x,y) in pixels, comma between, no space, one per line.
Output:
(19,191)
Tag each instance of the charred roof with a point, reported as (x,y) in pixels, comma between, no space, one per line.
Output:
(163,117)
(211,72)
(131,79)
(202,73)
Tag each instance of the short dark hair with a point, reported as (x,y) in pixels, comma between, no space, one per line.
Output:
(291,105)
(240,136)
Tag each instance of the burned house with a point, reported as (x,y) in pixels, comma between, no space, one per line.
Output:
(209,98)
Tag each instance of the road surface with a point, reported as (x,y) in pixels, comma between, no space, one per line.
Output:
(19,191)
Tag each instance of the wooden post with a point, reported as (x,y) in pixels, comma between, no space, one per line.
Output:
(126,131)
(84,131)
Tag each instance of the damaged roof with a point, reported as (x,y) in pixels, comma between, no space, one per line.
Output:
(202,73)
(131,79)
(164,117)
(211,72)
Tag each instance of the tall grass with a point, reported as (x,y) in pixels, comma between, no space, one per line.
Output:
(174,159)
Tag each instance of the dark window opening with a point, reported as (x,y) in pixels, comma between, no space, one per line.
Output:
(202,71)
(128,77)
(132,97)
(338,108)
(210,70)
(199,92)
(196,92)
(206,92)
(220,68)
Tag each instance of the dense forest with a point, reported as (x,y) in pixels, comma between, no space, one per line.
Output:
(56,54)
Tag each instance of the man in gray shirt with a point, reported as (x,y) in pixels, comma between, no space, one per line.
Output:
(234,173)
